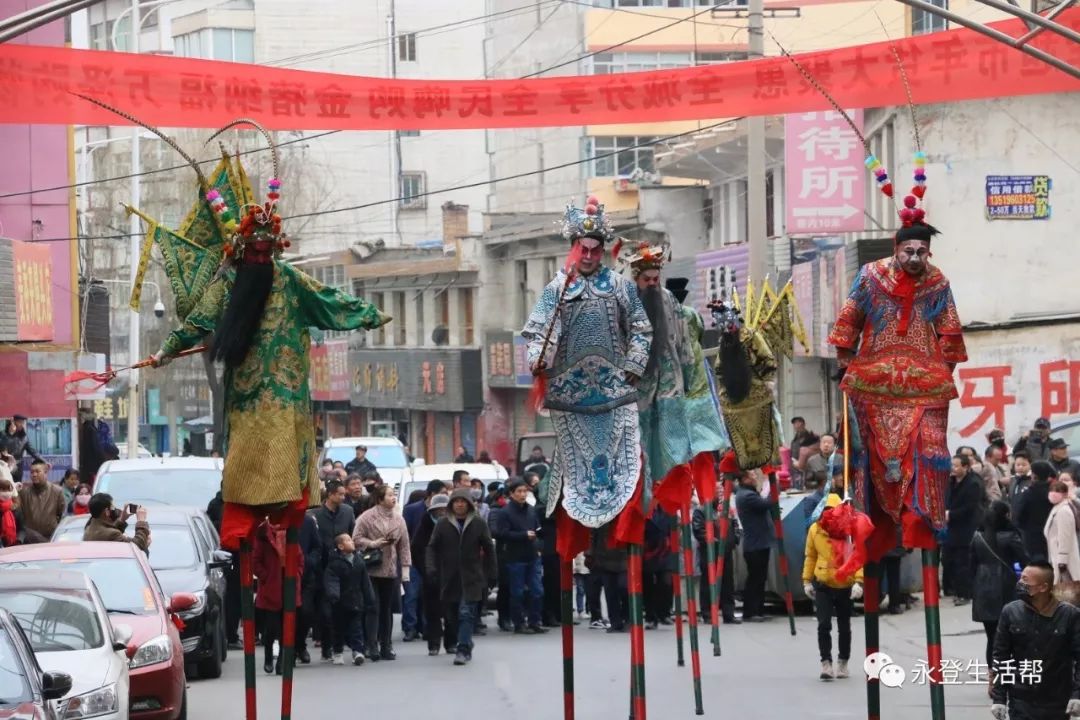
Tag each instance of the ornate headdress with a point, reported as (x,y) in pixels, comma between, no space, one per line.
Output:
(590,221)
(648,257)
(257,237)
(912,215)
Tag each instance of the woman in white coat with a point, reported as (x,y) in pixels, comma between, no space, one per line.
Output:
(1063,549)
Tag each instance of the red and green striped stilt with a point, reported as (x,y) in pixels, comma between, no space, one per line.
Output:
(637,633)
(691,603)
(931,560)
(676,586)
(871,607)
(288,619)
(566,605)
(247,616)
(778,524)
(712,577)
(725,528)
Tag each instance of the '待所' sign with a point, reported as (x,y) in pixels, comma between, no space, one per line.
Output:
(1018,197)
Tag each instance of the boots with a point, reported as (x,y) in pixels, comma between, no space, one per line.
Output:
(826,670)
(841,669)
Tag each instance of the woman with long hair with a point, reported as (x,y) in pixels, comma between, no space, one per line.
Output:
(382,528)
(80,503)
(996,550)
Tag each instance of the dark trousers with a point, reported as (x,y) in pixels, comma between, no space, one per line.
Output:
(957,569)
(460,618)
(991,633)
(594,587)
(891,566)
(434,620)
(350,627)
(384,596)
(526,578)
(832,602)
(502,597)
(271,623)
(315,617)
(412,612)
(757,572)
(659,594)
(232,602)
(551,610)
(727,589)
(617,600)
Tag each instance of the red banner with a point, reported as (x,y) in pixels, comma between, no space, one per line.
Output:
(330,371)
(33,291)
(182,92)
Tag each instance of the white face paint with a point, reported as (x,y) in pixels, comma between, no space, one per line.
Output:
(913,255)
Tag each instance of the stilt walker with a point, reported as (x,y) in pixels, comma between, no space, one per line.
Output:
(589,323)
(898,338)
(288,619)
(253,310)
(566,606)
(778,528)
(691,603)
(711,576)
(677,586)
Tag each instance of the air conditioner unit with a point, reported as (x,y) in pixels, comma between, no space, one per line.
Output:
(625,185)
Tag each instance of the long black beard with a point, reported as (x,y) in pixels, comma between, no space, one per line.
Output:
(247,301)
(734,367)
(653,300)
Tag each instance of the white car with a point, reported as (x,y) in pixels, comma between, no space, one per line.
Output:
(387,454)
(191,481)
(445,471)
(66,623)
(140,451)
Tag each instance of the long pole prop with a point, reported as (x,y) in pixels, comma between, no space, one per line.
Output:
(871,598)
(637,633)
(725,529)
(677,585)
(778,524)
(288,620)
(247,614)
(691,603)
(930,564)
(711,576)
(566,605)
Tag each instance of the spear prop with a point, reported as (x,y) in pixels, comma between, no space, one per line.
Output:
(104,378)
(539,386)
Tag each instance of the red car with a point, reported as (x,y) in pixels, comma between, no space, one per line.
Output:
(132,597)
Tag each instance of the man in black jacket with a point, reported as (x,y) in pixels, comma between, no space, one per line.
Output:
(1060,460)
(460,559)
(1032,508)
(430,603)
(360,465)
(962,515)
(1036,653)
(14,442)
(215,510)
(757,541)
(332,518)
(351,599)
(518,528)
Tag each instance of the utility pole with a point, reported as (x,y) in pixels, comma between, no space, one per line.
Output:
(395,135)
(135,228)
(755,160)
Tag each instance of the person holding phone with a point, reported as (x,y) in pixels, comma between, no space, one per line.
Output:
(107,523)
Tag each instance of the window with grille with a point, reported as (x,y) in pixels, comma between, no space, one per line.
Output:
(407,47)
(619,156)
(412,190)
(923,22)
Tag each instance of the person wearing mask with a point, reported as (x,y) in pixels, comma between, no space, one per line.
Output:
(1062,548)
(757,541)
(1032,508)
(460,557)
(69,485)
(1019,480)
(15,443)
(412,618)
(107,524)
(382,528)
(537,463)
(816,468)
(42,502)
(962,516)
(1036,631)
(1060,460)
(354,494)
(832,594)
(268,564)
(360,465)
(351,598)
(80,501)
(995,550)
(11,524)
(431,605)
(1036,443)
(994,473)
(476,491)
(463,455)
(518,528)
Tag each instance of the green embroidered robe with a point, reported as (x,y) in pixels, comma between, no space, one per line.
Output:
(269,430)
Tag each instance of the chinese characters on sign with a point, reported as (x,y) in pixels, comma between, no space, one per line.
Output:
(330,371)
(802,281)
(952,671)
(419,379)
(825,174)
(33,291)
(508,360)
(1018,197)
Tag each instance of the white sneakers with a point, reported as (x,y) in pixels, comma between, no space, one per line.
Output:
(841,669)
(826,670)
(338,659)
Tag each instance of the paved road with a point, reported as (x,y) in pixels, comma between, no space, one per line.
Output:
(763,674)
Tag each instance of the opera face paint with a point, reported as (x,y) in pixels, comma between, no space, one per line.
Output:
(592,252)
(913,256)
